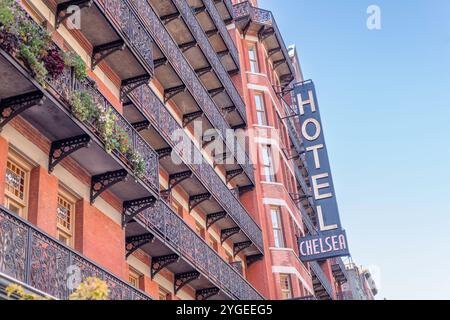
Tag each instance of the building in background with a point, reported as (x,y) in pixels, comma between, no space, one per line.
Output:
(152,144)
(360,284)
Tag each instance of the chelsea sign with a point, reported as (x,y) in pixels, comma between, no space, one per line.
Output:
(331,240)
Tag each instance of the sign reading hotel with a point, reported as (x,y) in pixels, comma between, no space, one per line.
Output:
(331,240)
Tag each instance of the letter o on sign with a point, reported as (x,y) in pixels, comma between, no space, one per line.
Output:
(317,127)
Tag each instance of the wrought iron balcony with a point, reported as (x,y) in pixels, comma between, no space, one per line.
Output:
(262,22)
(157,114)
(225,8)
(115,34)
(223,31)
(38,260)
(67,84)
(164,223)
(205,45)
(322,286)
(190,80)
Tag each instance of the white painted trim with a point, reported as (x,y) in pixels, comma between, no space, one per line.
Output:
(282,203)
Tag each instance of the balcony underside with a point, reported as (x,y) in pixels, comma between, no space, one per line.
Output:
(225,9)
(186,104)
(206,19)
(160,248)
(55,122)
(110,44)
(201,60)
(157,134)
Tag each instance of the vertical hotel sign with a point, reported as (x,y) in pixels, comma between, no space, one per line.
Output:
(331,240)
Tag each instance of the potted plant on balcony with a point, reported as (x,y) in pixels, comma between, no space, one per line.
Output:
(83,106)
(9,40)
(76,62)
(54,63)
(138,163)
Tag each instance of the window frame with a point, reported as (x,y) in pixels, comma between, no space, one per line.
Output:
(286,293)
(10,198)
(252,50)
(277,230)
(69,233)
(261,110)
(267,163)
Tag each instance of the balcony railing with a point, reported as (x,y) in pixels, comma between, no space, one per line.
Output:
(211,55)
(160,117)
(171,50)
(67,84)
(212,9)
(163,221)
(126,21)
(315,267)
(36,259)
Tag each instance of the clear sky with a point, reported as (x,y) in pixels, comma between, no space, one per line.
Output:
(385,106)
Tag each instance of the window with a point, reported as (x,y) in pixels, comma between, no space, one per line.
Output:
(253,57)
(164,294)
(286,288)
(16,186)
(277,227)
(200,230)
(269,172)
(133,278)
(260,109)
(65,217)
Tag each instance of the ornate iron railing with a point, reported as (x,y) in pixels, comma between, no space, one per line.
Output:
(127,23)
(218,22)
(245,10)
(67,84)
(168,225)
(184,70)
(36,259)
(160,117)
(211,55)
(315,267)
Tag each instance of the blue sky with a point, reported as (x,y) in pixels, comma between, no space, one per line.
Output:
(385,106)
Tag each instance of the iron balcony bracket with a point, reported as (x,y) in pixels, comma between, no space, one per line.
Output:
(195,201)
(159,263)
(202,71)
(205,294)
(102,182)
(241,246)
(176,178)
(213,218)
(135,242)
(62,12)
(190,117)
(245,189)
(223,53)
(160,62)
(211,33)
(183,279)
(216,91)
(273,51)
(228,110)
(220,159)
(172,92)
(129,85)
(266,33)
(141,125)
(164,153)
(63,148)
(13,106)
(188,45)
(103,51)
(207,140)
(254,258)
(233,174)
(170,17)
(226,234)
(278,63)
(134,207)
(199,10)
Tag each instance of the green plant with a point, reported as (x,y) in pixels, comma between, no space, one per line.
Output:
(107,125)
(73,60)
(6,13)
(83,106)
(91,289)
(37,67)
(138,163)
(123,139)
